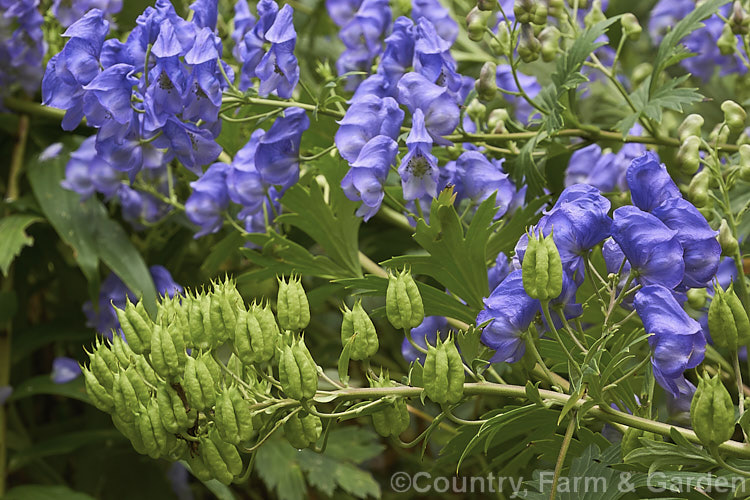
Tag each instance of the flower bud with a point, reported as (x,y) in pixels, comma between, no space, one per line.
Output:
(540,15)
(524,10)
(298,372)
(690,126)
(496,120)
(712,412)
(486,84)
(476,110)
(729,244)
(640,73)
(696,298)
(303,431)
(292,308)
(549,37)
(719,133)
(727,42)
(403,302)
(226,303)
(745,162)
(443,375)
(739,20)
(487,5)
(698,188)
(728,323)
(556,8)
(500,43)
(595,15)
(476,24)
(542,268)
(357,323)
(734,115)
(688,155)
(631,28)
(136,325)
(529,46)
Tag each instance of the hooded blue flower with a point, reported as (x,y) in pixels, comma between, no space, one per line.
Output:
(22,46)
(67,11)
(206,205)
(244,182)
(677,341)
(87,172)
(702,251)
(511,312)
(652,249)
(497,273)
(419,171)
(193,146)
(398,55)
(342,11)
(480,178)
(426,333)
(366,118)
(139,206)
(440,110)
(590,166)
(438,15)
(366,177)
(205,13)
(277,156)
(432,57)
(64,370)
(649,182)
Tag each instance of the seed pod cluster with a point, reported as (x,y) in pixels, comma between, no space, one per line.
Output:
(392,418)
(358,324)
(443,375)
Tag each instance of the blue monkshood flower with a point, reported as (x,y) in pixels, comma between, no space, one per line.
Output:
(130,154)
(398,55)
(64,370)
(342,11)
(480,178)
(510,312)
(191,145)
(244,183)
(440,110)
(590,166)
(87,172)
(277,67)
(69,11)
(277,155)
(439,16)
(702,250)
(367,26)
(432,57)
(5,393)
(652,249)
(139,206)
(107,98)
(206,205)
(206,13)
(426,332)
(678,406)
(649,182)
(179,478)
(114,292)
(497,273)
(676,339)
(505,81)
(378,85)
(366,177)
(578,222)
(418,170)
(243,23)
(256,222)
(366,118)
(625,156)
(22,45)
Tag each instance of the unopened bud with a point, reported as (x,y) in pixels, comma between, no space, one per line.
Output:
(630,26)
(690,126)
(745,162)
(487,5)
(640,73)
(486,85)
(595,15)
(696,298)
(734,115)
(529,46)
(476,24)
(496,120)
(719,134)
(500,43)
(524,10)
(727,42)
(688,155)
(549,38)
(698,188)
(476,110)
(728,242)
(739,20)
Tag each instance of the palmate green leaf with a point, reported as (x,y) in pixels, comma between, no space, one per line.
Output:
(457,258)
(87,228)
(14,238)
(658,455)
(436,302)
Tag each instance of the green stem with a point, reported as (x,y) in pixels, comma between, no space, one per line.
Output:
(531,346)
(556,334)
(563,452)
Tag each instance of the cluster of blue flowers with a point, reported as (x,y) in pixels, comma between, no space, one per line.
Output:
(22,46)
(661,241)
(69,11)
(255,180)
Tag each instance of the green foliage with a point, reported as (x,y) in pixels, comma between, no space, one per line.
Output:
(13,229)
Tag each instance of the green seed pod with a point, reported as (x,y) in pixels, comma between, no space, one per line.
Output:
(99,367)
(392,419)
(356,322)
(124,397)
(476,24)
(122,351)
(99,395)
(199,336)
(688,155)
(292,308)
(228,452)
(142,392)
(697,298)
(486,85)
(146,371)
(443,375)
(226,303)
(403,302)
(130,431)
(298,372)
(171,409)
(476,110)
(225,419)
(147,435)
(199,467)
(631,28)
(550,38)
(712,412)
(728,242)
(303,432)
(529,47)
(256,335)
(728,322)
(734,115)
(168,353)
(214,461)
(242,415)
(745,162)
(160,433)
(727,42)
(199,384)
(136,325)
(690,126)
(524,10)
(698,188)
(542,268)
(500,43)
